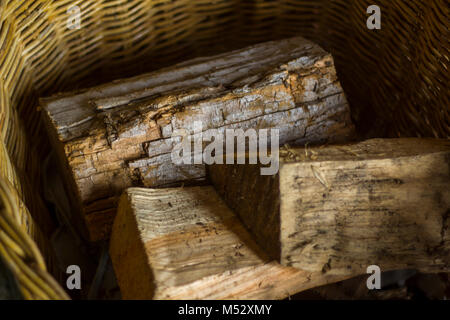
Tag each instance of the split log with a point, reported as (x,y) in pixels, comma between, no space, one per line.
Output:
(340,209)
(120,135)
(185,243)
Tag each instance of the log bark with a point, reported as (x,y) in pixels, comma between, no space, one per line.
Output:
(339,209)
(185,243)
(120,135)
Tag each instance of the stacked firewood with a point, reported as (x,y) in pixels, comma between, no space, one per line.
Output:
(221,230)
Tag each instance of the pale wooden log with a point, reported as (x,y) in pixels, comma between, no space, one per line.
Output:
(340,209)
(184,243)
(120,135)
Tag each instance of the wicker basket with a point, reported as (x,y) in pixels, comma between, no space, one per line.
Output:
(396,78)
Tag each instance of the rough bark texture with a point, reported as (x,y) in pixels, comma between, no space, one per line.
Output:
(185,243)
(120,135)
(340,209)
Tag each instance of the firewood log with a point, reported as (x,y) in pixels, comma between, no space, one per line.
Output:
(339,209)
(120,135)
(185,243)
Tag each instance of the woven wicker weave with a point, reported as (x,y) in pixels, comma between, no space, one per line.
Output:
(395,78)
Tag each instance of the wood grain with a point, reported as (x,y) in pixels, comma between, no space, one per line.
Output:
(339,209)
(184,243)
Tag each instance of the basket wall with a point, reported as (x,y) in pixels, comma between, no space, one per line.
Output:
(396,78)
